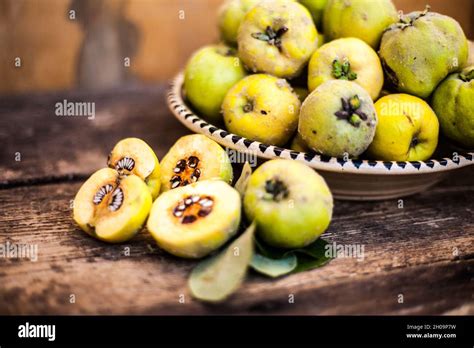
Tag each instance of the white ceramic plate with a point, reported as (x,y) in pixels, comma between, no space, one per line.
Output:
(352,179)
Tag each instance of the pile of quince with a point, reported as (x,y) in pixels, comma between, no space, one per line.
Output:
(343,78)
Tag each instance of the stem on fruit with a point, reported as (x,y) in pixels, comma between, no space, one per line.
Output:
(406,21)
(468,76)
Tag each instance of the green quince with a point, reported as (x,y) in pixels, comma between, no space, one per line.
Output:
(346,59)
(291,203)
(338,119)
(363,19)
(209,74)
(231,14)
(453,103)
(422,49)
(278,38)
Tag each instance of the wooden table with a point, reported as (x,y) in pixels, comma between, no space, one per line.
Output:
(419,259)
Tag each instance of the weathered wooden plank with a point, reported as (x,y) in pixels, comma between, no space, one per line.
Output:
(53,146)
(423,251)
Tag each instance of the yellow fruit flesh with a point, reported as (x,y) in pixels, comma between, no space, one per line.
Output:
(124,223)
(84,208)
(146,164)
(103,222)
(205,234)
(213,160)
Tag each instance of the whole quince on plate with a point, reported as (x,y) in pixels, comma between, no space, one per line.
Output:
(277,38)
(420,50)
(363,19)
(407,129)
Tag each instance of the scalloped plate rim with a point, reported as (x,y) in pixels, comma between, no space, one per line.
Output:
(196,124)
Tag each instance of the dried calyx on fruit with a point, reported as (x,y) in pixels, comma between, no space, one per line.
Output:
(275,190)
(271,36)
(112,207)
(342,71)
(467,75)
(351,111)
(194,220)
(134,156)
(193,158)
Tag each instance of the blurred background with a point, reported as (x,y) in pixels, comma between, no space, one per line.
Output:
(48,45)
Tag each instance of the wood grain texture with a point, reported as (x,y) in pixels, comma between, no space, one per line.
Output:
(408,251)
(61,146)
(424,251)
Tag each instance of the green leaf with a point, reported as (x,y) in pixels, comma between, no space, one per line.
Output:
(242,182)
(312,256)
(305,263)
(216,278)
(269,251)
(309,257)
(274,267)
(316,249)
